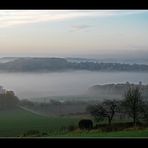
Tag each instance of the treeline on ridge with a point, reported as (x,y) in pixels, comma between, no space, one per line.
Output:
(61,64)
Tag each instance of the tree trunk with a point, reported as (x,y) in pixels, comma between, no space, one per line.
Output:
(134,120)
(109,121)
(134,115)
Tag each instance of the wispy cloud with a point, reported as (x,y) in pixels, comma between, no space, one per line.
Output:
(17,17)
(80,27)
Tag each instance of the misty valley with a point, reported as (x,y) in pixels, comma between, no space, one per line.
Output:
(73,73)
(74,83)
(60,103)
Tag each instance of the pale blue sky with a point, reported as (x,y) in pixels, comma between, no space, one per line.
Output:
(73,33)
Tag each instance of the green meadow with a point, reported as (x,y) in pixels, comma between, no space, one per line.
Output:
(96,133)
(16,122)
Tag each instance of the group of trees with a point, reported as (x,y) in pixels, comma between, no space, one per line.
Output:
(8,100)
(34,64)
(133,105)
(60,64)
(108,66)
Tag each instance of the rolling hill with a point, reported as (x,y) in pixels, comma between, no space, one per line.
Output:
(17,121)
(62,64)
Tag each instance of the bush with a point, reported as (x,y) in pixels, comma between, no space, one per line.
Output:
(32,133)
(85,124)
(114,127)
(71,128)
(44,134)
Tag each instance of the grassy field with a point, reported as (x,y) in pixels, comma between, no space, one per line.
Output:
(100,134)
(18,121)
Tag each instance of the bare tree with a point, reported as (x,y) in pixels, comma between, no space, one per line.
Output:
(106,109)
(133,103)
(145,113)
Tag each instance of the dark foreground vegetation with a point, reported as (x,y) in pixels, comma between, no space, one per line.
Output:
(133,106)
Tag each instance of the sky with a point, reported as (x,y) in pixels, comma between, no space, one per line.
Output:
(74,33)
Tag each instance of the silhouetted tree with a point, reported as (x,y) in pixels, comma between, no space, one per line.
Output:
(106,109)
(133,103)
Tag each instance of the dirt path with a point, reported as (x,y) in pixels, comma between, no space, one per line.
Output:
(32,111)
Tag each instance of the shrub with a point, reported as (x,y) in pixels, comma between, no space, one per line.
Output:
(71,128)
(32,133)
(86,124)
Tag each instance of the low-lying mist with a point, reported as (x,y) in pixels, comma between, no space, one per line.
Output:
(30,85)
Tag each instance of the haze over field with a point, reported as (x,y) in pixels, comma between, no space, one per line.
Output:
(28,85)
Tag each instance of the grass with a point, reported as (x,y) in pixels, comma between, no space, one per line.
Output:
(18,121)
(100,134)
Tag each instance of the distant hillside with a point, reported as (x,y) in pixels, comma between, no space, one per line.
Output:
(34,64)
(61,64)
(7,59)
(114,91)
